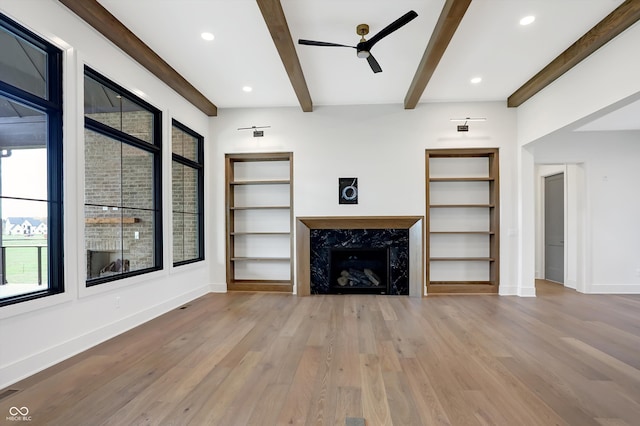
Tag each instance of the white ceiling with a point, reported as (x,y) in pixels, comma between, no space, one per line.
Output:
(489,43)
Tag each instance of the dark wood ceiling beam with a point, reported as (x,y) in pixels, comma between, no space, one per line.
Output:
(277,23)
(452,13)
(109,26)
(610,27)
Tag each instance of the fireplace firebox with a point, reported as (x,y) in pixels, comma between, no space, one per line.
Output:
(359,270)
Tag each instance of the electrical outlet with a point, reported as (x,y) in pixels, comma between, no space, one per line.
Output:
(638,272)
(136,235)
(117,302)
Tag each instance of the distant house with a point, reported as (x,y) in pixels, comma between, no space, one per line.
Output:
(24,226)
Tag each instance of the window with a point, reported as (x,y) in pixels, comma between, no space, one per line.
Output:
(31,244)
(187,174)
(123,196)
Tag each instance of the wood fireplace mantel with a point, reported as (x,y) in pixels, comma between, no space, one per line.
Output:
(416,242)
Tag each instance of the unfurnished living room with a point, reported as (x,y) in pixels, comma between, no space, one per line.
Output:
(239,212)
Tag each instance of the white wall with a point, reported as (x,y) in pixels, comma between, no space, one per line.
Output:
(383,146)
(606,77)
(611,208)
(39,333)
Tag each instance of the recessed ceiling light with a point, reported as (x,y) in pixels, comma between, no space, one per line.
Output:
(527,20)
(247,89)
(207,36)
(476,80)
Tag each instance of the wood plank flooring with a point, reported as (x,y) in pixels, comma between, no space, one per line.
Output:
(562,358)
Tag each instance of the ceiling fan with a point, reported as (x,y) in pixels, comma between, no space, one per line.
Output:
(363,49)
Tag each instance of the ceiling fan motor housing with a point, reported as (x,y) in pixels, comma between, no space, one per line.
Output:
(362,51)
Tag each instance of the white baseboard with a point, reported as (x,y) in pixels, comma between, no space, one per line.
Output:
(527,292)
(572,284)
(507,290)
(614,289)
(35,363)
(218,288)
(515,291)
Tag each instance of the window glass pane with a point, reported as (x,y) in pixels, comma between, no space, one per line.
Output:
(101,103)
(31,166)
(138,239)
(177,184)
(177,137)
(117,111)
(187,195)
(23,154)
(24,173)
(178,237)
(24,247)
(191,236)
(186,236)
(190,190)
(185,188)
(137,121)
(137,178)
(184,144)
(121,180)
(22,64)
(103,169)
(103,240)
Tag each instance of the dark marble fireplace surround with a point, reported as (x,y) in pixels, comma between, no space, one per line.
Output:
(400,236)
(396,241)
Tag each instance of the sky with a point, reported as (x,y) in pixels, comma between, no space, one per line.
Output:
(24,174)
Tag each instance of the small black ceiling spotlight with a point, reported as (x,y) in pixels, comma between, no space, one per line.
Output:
(256,133)
(464,127)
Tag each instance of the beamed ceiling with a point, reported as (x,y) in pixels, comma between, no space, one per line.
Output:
(430,59)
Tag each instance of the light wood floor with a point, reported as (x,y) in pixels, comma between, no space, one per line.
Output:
(562,358)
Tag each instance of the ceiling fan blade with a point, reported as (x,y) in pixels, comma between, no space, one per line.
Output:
(322,43)
(398,23)
(375,66)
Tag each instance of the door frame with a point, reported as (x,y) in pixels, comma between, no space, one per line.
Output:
(577,272)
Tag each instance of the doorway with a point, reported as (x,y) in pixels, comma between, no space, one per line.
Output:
(554,228)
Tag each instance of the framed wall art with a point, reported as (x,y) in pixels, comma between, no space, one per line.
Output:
(348,190)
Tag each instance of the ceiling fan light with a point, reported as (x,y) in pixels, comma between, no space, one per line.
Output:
(363,54)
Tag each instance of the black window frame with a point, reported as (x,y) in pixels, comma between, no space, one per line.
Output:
(154,148)
(199,167)
(52,107)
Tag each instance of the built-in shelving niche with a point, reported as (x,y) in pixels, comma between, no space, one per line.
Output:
(259,218)
(463,221)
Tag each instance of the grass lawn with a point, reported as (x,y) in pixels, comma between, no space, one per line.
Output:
(21,257)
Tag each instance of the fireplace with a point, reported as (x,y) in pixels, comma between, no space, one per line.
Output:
(401,236)
(359,270)
(391,248)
